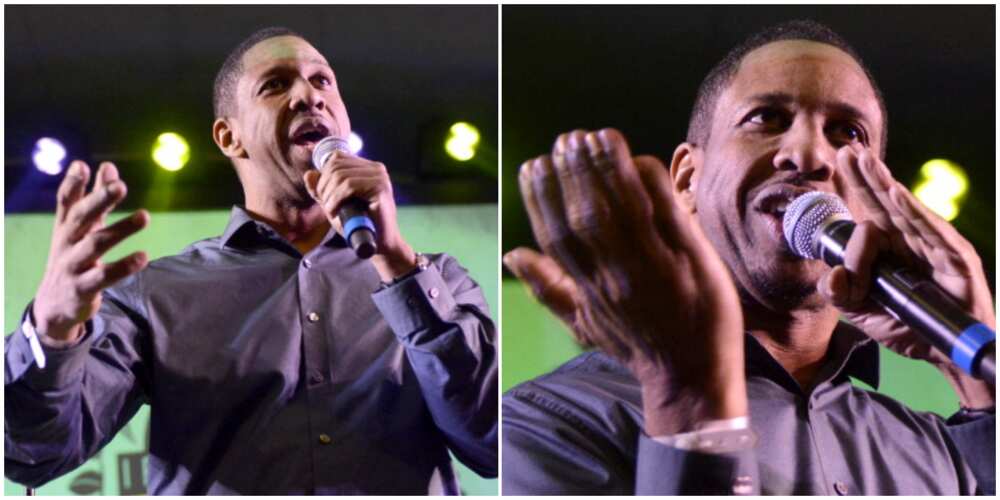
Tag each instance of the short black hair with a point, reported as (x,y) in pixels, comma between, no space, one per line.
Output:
(224,92)
(700,124)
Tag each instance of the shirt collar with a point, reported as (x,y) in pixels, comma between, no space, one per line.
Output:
(240,225)
(851,353)
(243,229)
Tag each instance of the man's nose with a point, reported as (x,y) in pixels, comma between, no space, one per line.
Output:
(305,97)
(806,149)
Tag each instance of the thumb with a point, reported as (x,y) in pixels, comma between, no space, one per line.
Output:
(549,283)
(835,287)
(311,179)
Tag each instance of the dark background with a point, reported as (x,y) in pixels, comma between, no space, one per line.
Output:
(638,68)
(107,80)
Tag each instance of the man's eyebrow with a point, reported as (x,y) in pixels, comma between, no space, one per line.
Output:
(281,68)
(771,98)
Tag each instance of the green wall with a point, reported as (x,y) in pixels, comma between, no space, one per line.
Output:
(535,342)
(467,232)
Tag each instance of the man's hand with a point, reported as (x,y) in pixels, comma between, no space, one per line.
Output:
(70,292)
(345,176)
(892,220)
(633,274)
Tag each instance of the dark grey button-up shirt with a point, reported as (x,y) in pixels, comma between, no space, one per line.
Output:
(269,372)
(579,430)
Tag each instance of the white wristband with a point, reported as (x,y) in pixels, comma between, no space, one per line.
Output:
(36,347)
(715,436)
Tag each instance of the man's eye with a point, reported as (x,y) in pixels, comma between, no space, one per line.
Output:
(322,80)
(767,118)
(846,133)
(273,84)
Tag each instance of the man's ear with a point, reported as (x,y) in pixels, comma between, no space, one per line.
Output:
(685,168)
(227,138)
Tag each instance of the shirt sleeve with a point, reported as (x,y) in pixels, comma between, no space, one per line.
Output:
(976,443)
(549,448)
(59,416)
(440,316)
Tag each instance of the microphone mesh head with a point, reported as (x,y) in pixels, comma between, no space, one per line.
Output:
(805,216)
(324,148)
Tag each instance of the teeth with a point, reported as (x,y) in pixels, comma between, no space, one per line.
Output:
(780,207)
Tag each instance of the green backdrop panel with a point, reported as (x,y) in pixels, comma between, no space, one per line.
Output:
(468,232)
(535,342)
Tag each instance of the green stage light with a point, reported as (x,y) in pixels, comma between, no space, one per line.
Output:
(941,187)
(462,141)
(171,151)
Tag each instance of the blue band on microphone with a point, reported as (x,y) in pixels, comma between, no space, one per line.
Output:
(355,223)
(968,345)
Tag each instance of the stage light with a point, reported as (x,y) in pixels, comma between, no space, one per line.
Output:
(48,155)
(354,143)
(462,141)
(941,187)
(171,151)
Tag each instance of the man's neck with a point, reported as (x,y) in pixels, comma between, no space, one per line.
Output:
(797,340)
(303,227)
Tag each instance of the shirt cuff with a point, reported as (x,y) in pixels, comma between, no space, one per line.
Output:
(714,436)
(54,367)
(415,304)
(667,470)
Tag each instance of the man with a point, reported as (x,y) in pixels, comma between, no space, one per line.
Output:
(722,366)
(273,359)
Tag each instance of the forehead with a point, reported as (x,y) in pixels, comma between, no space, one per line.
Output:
(813,74)
(280,50)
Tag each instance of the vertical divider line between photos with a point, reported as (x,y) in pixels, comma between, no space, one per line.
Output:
(500,173)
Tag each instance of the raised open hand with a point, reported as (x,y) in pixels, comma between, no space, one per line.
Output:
(70,291)
(632,273)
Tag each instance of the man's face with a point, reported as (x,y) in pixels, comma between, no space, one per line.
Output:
(287,100)
(775,134)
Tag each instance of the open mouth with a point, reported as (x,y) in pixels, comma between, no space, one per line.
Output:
(308,134)
(774,202)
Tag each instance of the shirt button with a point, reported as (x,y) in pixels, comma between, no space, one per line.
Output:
(840,487)
(313,317)
(307,263)
(324,439)
(411,302)
(433,292)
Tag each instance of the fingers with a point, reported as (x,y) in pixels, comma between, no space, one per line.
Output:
(92,247)
(871,181)
(346,177)
(673,224)
(944,246)
(548,282)
(71,189)
(541,191)
(848,285)
(103,276)
(92,207)
(341,166)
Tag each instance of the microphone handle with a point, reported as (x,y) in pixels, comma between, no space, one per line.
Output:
(359,230)
(922,305)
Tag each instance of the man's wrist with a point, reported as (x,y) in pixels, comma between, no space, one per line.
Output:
(395,262)
(972,393)
(714,436)
(669,411)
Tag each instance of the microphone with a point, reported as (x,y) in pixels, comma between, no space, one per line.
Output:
(818,225)
(359,230)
